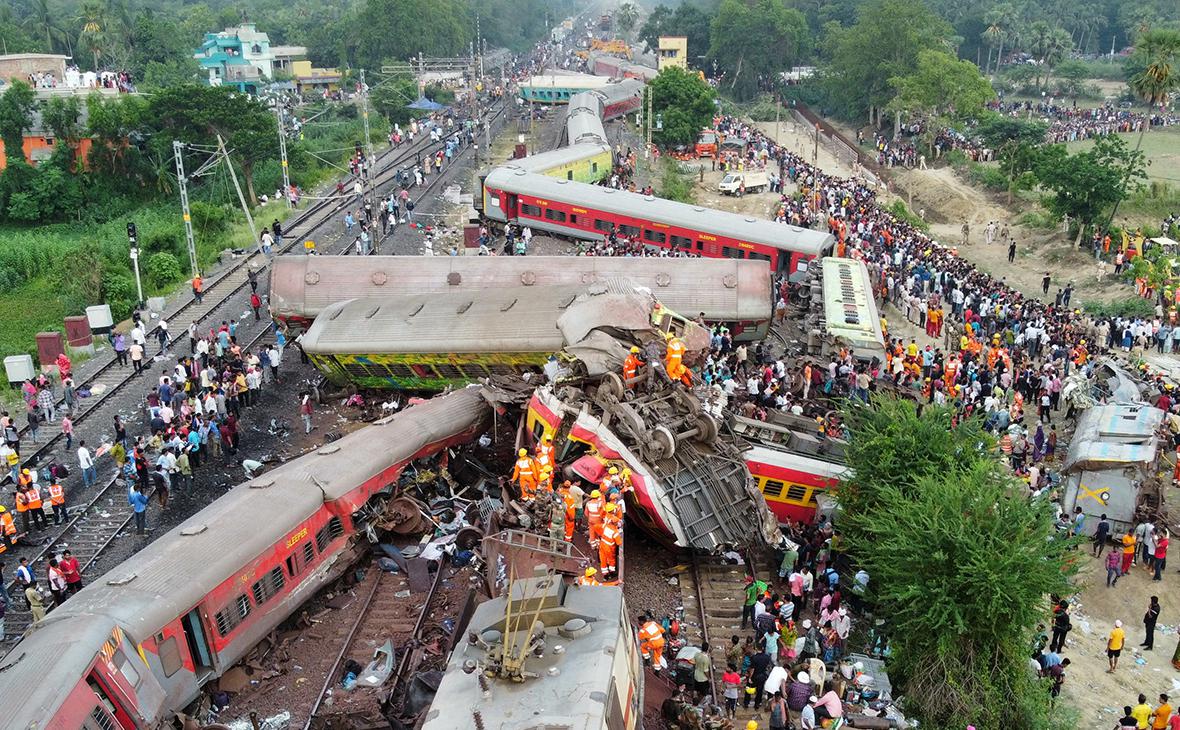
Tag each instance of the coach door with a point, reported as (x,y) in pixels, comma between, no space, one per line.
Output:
(109,713)
(198,644)
(510,212)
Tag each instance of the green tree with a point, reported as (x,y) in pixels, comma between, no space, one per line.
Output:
(658,23)
(43,20)
(1089,183)
(1071,74)
(755,40)
(626,17)
(941,88)
(92,21)
(682,103)
(440,28)
(16,115)
(1001,21)
(62,115)
(883,44)
(960,560)
(197,114)
(1017,143)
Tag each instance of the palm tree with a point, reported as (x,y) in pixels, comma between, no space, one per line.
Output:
(92,19)
(1160,52)
(42,19)
(628,15)
(1000,21)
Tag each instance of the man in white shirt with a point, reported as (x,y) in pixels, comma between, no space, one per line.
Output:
(775,680)
(86,463)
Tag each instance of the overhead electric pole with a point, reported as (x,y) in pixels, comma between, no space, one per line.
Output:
(368,167)
(178,153)
(283,156)
(234,176)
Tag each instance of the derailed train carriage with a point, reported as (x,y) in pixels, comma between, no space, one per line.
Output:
(734,292)
(431,341)
(141,641)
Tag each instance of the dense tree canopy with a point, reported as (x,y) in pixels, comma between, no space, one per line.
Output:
(684,105)
(961,564)
(753,41)
(1088,184)
(941,86)
(686,20)
(883,44)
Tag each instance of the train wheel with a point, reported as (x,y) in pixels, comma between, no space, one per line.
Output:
(660,444)
(706,428)
(612,384)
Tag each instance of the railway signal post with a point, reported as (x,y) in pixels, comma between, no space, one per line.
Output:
(133,239)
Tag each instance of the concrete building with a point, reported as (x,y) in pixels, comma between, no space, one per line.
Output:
(39,142)
(24,66)
(285,57)
(239,56)
(673,51)
(310,79)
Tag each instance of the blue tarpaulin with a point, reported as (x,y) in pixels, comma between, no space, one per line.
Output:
(424,104)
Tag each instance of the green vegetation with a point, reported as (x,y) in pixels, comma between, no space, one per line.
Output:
(961,565)
(899,210)
(682,104)
(751,40)
(687,20)
(1128,307)
(675,184)
(1087,185)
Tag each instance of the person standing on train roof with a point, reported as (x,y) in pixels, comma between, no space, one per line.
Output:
(525,474)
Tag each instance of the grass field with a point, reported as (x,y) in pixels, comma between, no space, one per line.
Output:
(1162,149)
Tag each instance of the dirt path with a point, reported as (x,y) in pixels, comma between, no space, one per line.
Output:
(1096,694)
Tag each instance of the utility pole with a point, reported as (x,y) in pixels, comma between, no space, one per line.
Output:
(133,239)
(815,168)
(283,155)
(241,198)
(178,153)
(647,120)
(369,161)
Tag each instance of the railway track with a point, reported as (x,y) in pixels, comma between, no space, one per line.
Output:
(87,533)
(431,183)
(390,612)
(109,379)
(713,593)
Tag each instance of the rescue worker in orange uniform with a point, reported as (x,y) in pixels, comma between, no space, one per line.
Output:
(545,482)
(611,480)
(7,529)
(608,545)
(631,366)
(594,515)
(57,500)
(651,641)
(22,508)
(674,360)
(546,454)
(525,474)
(571,508)
(588,579)
(33,497)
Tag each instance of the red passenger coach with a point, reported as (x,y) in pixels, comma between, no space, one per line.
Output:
(140,642)
(591,212)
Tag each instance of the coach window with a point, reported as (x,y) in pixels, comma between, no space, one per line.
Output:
(655,236)
(555,215)
(601,225)
(593,167)
(126,668)
(569,174)
(730,252)
(530,210)
(773,488)
(759,256)
(681,242)
(630,231)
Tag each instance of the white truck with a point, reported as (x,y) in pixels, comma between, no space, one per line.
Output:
(746,181)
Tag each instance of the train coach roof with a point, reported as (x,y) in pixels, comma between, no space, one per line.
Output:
(570,691)
(492,320)
(40,672)
(560,157)
(174,573)
(659,210)
(724,289)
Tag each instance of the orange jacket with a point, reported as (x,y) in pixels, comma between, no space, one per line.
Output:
(525,470)
(56,494)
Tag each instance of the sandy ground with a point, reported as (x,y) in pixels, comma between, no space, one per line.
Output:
(1098,696)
